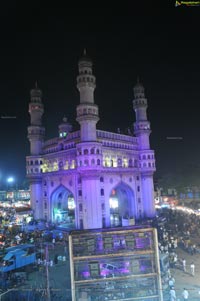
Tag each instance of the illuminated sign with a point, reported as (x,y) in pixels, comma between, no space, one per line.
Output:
(10,195)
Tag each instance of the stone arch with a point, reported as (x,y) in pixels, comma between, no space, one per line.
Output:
(122,204)
(62,206)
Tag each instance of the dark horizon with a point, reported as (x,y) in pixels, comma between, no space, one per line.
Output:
(160,45)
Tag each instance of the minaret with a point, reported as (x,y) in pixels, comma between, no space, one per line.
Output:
(36,131)
(36,134)
(147,161)
(87,111)
(89,152)
(142,125)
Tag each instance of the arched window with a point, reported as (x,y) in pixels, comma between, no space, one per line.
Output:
(93,162)
(119,162)
(81,223)
(86,162)
(98,162)
(85,151)
(102,192)
(130,163)
(144,157)
(101,179)
(97,151)
(92,151)
(80,207)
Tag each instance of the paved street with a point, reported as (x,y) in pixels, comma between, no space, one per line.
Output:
(60,281)
(59,278)
(186,280)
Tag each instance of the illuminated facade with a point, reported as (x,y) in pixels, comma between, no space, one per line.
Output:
(90,178)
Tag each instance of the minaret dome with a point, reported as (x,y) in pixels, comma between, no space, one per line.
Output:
(36,94)
(139,90)
(64,128)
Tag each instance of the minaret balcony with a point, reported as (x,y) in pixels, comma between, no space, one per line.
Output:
(87,108)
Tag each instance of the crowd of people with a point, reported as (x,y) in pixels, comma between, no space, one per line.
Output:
(177,229)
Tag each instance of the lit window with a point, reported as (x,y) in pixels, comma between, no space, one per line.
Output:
(113,203)
(125,162)
(73,164)
(71,203)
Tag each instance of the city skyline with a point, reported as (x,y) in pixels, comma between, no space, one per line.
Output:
(159,45)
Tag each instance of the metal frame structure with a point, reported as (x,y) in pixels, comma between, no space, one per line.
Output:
(115,264)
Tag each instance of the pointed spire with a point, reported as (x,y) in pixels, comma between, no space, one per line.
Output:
(36,93)
(85,57)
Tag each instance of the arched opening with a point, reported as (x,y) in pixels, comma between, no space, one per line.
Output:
(63,207)
(122,205)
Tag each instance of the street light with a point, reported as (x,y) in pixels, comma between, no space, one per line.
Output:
(10,181)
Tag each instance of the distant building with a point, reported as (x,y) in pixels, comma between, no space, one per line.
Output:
(15,195)
(90,178)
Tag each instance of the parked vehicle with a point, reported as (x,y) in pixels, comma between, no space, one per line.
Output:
(17,257)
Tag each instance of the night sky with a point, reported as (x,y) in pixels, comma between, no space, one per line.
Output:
(43,41)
